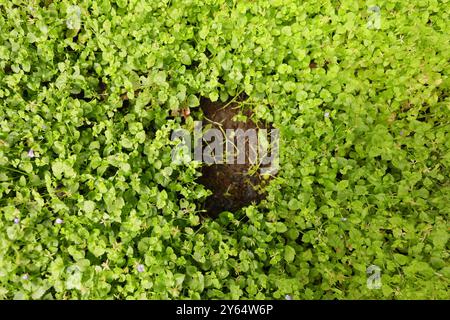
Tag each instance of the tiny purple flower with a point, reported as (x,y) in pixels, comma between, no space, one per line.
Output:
(140,268)
(327,114)
(59,221)
(25,277)
(401,132)
(16,220)
(288,297)
(31,153)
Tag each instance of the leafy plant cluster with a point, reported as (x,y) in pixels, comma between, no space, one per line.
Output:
(93,207)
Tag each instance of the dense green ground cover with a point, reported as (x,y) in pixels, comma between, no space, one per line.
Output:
(93,207)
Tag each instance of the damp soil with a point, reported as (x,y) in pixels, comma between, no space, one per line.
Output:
(233,186)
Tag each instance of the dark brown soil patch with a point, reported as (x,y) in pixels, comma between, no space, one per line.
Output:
(233,186)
